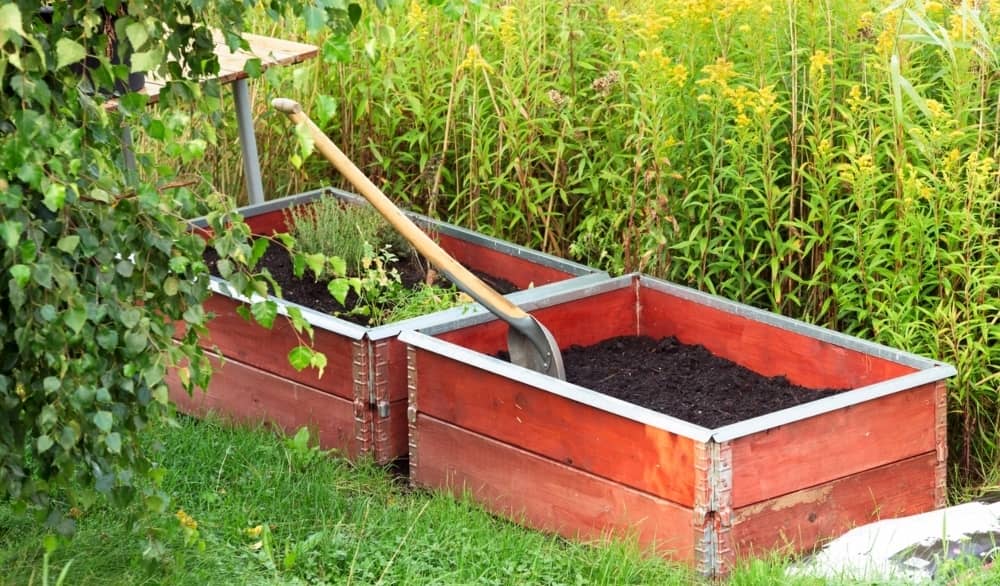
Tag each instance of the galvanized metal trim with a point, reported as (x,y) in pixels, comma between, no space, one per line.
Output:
(314,318)
(532,300)
(789,324)
(556,386)
(941,444)
(832,403)
(713,509)
(360,382)
(413,435)
(473,313)
(249,211)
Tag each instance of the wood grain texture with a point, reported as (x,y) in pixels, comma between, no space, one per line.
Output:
(805,517)
(763,348)
(833,445)
(267,349)
(522,272)
(580,436)
(584,322)
(545,494)
(246,394)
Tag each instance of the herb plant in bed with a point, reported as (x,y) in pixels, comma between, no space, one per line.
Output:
(566,458)
(359,404)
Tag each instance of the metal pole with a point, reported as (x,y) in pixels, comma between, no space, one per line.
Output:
(248,141)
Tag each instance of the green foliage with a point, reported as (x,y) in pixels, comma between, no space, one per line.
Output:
(332,228)
(97,265)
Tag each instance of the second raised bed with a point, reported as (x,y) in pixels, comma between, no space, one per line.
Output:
(564,458)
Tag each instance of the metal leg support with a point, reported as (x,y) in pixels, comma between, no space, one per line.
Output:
(248,141)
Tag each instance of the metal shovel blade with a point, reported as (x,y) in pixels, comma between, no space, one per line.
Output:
(532,345)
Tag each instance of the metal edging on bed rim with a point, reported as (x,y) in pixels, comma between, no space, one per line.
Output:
(472,313)
(558,387)
(315,318)
(789,324)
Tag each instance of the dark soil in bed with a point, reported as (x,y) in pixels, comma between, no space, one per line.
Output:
(314,294)
(682,380)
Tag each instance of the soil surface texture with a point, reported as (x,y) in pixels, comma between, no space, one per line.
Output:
(314,294)
(682,380)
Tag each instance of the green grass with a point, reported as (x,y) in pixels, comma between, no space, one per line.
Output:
(322,521)
(272,511)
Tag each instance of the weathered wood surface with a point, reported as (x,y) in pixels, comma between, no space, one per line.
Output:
(763,348)
(805,517)
(245,341)
(606,445)
(546,494)
(833,445)
(583,322)
(246,394)
(522,272)
(232,65)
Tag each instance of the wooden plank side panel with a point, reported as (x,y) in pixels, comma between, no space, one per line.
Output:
(606,445)
(267,349)
(813,451)
(583,321)
(268,223)
(391,433)
(246,394)
(806,517)
(545,494)
(766,349)
(520,271)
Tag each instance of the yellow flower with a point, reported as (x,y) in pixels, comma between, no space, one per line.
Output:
(818,63)
(254,532)
(186,520)
(934,8)
(719,73)
(509,25)
(854,98)
(474,60)
(416,15)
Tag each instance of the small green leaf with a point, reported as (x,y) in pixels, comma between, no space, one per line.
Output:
(75,318)
(68,52)
(147,60)
(55,196)
(21,274)
(170,286)
(43,443)
(107,339)
(103,420)
(300,357)
(69,436)
(318,361)
(315,263)
(298,265)
(10,232)
(69,243)
(114,442)
(137,35)
(339,288)
(130,317)
(326,108)
(124,268)
(265,312)
(315,19)
(253,67)
(51,384)
(338,265)
(10,18)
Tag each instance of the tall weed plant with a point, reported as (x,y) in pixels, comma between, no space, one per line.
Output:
(834,161)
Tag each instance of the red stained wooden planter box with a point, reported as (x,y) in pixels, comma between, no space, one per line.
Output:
(359,405)
(567,459)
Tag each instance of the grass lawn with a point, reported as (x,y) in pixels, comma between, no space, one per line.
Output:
(269,511)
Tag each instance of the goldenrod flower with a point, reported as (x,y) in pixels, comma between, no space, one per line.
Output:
(474,60)
(718,73)
(509,29)
(186,520)
(818,63)
(416,15)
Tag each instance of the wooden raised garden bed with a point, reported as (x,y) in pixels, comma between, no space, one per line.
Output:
(567,459)
(359,405)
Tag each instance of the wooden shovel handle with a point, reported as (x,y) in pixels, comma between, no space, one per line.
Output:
(461,276)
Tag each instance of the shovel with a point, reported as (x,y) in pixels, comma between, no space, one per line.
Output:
(529,343)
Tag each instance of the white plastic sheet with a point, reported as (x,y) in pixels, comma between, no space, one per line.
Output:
(911,550)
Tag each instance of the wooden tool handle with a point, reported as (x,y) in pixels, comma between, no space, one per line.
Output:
(458,274)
